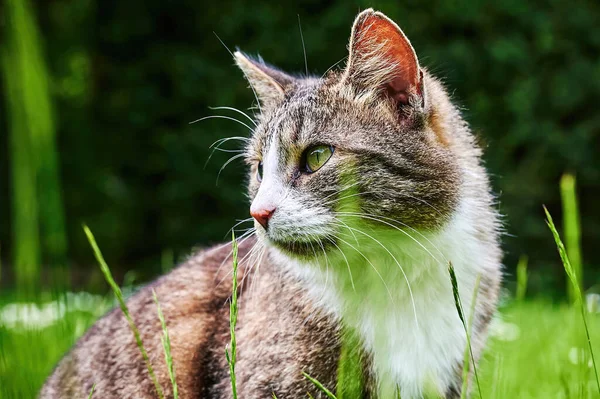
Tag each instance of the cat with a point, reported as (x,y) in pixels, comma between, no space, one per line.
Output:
(366,185)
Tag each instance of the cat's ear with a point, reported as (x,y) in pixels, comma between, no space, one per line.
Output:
(268,83)
(382,58)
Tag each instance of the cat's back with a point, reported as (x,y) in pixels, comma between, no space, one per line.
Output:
(194,299)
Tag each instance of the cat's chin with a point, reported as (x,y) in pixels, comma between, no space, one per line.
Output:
(299,250)
(295,249)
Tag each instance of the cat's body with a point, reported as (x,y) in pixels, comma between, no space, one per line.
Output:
(366,185)
(279,335)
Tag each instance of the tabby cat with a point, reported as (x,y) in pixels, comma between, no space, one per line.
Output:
(365,185)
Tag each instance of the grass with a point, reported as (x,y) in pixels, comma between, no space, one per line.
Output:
(119,295)
(574,278)
(468,356)
(92,391)
(572,232)
(522,277)
(320,386)
(166,341)
(537,349)
(233,311)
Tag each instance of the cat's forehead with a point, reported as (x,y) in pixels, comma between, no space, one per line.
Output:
(313,113)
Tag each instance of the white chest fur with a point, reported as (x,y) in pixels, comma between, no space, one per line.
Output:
(399,299)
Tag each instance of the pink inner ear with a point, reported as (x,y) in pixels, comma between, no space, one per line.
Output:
(379,31)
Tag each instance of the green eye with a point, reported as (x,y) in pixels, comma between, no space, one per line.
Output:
(317,156)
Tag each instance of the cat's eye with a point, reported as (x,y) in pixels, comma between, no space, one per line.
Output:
(316,157)
(259,171)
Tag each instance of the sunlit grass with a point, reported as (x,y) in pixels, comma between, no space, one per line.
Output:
(576,289)
(320,386)
(522,277)
(572,231)
(166,341)
(231,352)
(536,350)
(119,295)
(468,358)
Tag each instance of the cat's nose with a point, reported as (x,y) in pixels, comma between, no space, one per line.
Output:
(262,216)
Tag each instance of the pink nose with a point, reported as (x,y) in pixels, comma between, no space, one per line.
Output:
(262,216)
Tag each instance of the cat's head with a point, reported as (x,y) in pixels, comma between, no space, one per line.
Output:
(357,149)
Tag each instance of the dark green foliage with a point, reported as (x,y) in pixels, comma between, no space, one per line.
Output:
(128,77)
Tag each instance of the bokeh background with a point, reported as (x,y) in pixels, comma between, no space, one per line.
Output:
(98,96)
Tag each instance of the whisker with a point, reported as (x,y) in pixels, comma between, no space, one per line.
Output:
(255,268)
(230,160)
(238,223)
(251,261)
(249,233)
(340,190)
(303,47)
(226,139)
(217,143)
(239,111)
(372,265)
(229,118)
(333,66)
(232,56)
(401,269)
(347,263)
(378,219)
(228,151)
(345,225)
(240,261)
(395,191)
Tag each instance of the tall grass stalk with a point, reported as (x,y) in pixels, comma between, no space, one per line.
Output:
(459,309)
(124,309)
(468,354)
(522,277)
(233,314)
(572,230)
(575,283)
(320,386)
(92,391)
(18,24)
(166,342)
(33,147)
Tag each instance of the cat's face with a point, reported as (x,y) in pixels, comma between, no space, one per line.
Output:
(356,150)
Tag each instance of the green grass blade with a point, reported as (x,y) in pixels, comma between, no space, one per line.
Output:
(17,42)
(572,229)
(36,178)
(119,295)
(522,277)
(571,273)
(233,313)
(349,374)
(320,386)
(468,349)
(457,302)
(92,391)
(166,341)
(459,309)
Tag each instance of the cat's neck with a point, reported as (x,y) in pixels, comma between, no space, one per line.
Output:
(394,289)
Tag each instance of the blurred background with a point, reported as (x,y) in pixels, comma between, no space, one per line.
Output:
(98,96)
